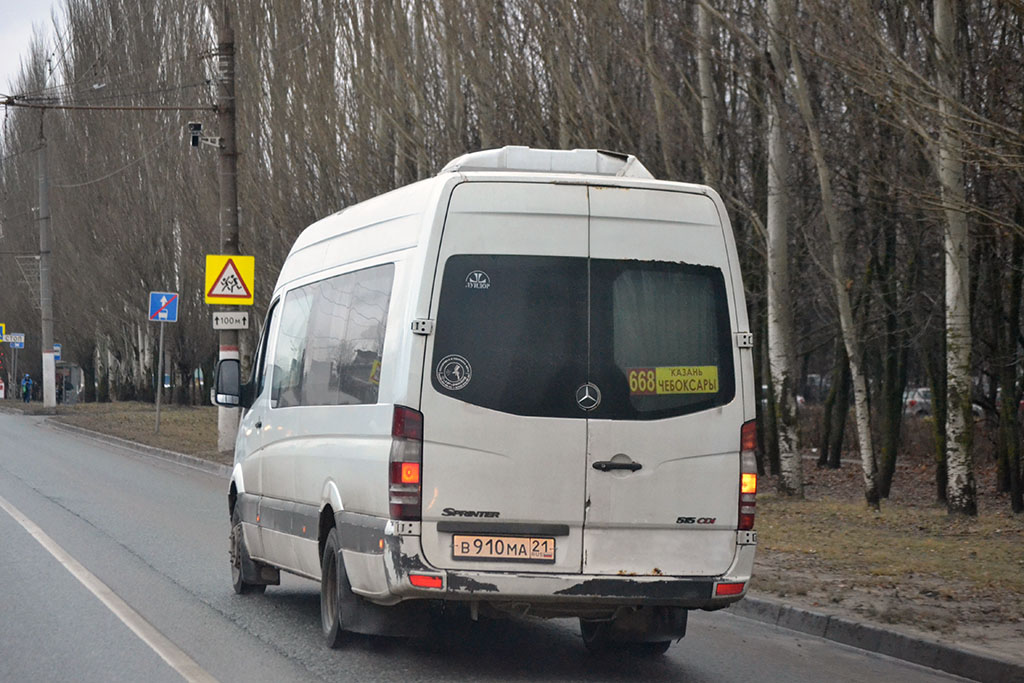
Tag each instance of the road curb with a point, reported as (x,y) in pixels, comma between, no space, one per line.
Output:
(152,451)
(873,638)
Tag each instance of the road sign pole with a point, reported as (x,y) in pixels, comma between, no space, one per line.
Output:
(159,377)
(227,418)
(49,377)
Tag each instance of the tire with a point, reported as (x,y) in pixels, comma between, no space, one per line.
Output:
(652,649)
(597,641)
(334,591)
(241,563)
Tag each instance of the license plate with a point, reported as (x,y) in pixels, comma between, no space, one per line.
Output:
(514,548)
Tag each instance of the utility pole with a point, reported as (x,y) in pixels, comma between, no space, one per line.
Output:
(45,293)
(227,418)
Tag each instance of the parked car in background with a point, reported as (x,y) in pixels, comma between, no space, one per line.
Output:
(917,402)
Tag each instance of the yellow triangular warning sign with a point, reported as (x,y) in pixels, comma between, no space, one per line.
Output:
(229,279)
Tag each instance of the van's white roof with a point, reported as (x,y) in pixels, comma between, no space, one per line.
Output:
(509,164)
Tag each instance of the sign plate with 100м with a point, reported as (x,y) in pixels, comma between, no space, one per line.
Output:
(231,320)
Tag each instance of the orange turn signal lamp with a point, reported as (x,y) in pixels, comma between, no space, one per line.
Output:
(410,473)
(748,482)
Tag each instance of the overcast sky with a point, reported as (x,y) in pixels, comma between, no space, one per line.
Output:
(16,20)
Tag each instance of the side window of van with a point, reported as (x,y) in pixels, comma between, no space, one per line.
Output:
(331,340)
(259,368)
(291,349)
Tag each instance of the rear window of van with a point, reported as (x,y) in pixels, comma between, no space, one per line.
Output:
(521,334)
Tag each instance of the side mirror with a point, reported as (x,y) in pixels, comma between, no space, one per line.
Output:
(228,383)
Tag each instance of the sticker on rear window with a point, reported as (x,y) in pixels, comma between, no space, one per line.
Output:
(698,379)
(454,372)
(478,279)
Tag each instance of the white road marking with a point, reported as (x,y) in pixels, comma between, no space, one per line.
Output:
(168,651)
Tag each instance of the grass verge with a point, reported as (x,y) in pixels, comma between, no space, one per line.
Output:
(185,429)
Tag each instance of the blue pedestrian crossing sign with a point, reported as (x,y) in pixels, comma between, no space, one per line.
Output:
(163,307)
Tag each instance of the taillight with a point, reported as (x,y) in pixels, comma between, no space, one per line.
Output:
(404,485)
(426,581)
(729,588)
(748,475)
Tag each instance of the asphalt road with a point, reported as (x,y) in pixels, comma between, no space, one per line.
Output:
(150,539)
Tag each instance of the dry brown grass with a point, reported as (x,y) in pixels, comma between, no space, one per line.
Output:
(185,429)
(987,552)
(910,565)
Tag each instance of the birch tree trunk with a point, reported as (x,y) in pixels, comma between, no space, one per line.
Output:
(961,494)
(657,85)
(780,318)
(708,120)
(837,228)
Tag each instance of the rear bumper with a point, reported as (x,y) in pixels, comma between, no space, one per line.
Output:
(563,593)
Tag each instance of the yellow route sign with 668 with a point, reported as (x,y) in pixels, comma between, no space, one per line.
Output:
(693,379)
(229,279)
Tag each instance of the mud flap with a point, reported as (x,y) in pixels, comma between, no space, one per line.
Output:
(253,573)
(411,618)
(267,575)
(646,624)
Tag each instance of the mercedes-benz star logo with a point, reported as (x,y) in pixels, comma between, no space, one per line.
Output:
(588,396)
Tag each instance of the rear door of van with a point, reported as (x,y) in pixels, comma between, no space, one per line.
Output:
(663,444)
(580,387)
(503,475)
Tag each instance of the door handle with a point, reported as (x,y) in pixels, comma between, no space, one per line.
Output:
(609,465)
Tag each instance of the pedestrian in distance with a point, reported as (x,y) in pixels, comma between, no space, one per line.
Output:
(26,388)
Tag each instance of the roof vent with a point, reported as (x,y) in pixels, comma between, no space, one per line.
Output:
(585,161)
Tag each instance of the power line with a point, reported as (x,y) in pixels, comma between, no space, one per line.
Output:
(67,46)
(107,97)
(109,77)
(115,172)
(11,102)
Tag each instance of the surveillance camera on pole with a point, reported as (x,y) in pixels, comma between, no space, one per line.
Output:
(195,132)
(195,129)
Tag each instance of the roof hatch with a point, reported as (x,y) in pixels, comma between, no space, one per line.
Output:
(585,161)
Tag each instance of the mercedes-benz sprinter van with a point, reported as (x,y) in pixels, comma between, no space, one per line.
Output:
(523,385)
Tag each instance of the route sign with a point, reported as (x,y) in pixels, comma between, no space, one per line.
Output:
(163,307)
(229,279)
(56,352)
(231,320)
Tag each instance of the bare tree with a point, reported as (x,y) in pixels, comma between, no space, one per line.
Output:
(961,495)
(780,321)
(838,229)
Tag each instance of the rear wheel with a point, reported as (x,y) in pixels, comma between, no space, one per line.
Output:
(241,564)
(334,590)
(655,649)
